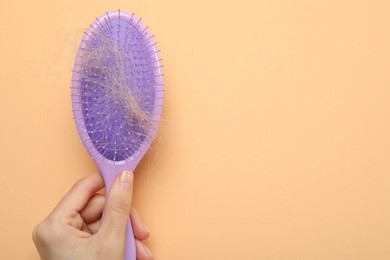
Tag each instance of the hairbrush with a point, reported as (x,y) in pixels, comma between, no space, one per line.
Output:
(117,95)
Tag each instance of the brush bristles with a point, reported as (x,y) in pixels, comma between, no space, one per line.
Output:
(107,60)
(116,81)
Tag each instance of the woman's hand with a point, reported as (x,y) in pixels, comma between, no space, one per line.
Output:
(74,230)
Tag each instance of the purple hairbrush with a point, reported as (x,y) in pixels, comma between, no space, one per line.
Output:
(117,95)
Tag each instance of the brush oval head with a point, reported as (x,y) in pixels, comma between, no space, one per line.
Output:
(117,90)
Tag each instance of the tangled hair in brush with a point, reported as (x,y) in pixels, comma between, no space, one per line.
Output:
(117,88)
(108,69)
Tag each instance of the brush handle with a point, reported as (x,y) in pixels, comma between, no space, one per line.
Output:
(130,253)
(109,176)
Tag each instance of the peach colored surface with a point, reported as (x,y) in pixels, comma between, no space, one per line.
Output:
(276,139)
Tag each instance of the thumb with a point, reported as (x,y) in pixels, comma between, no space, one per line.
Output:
(118,206)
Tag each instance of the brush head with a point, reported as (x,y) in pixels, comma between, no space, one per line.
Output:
(117,88)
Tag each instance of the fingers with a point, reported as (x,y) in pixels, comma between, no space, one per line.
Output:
(79,195)
(139,228)
(118,206)
(94,209)
(94,226)
(143,252)
(141,231)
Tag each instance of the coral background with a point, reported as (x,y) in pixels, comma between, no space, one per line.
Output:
(276,135)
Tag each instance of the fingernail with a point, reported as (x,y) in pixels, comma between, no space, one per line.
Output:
(147,251)
(126,180)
